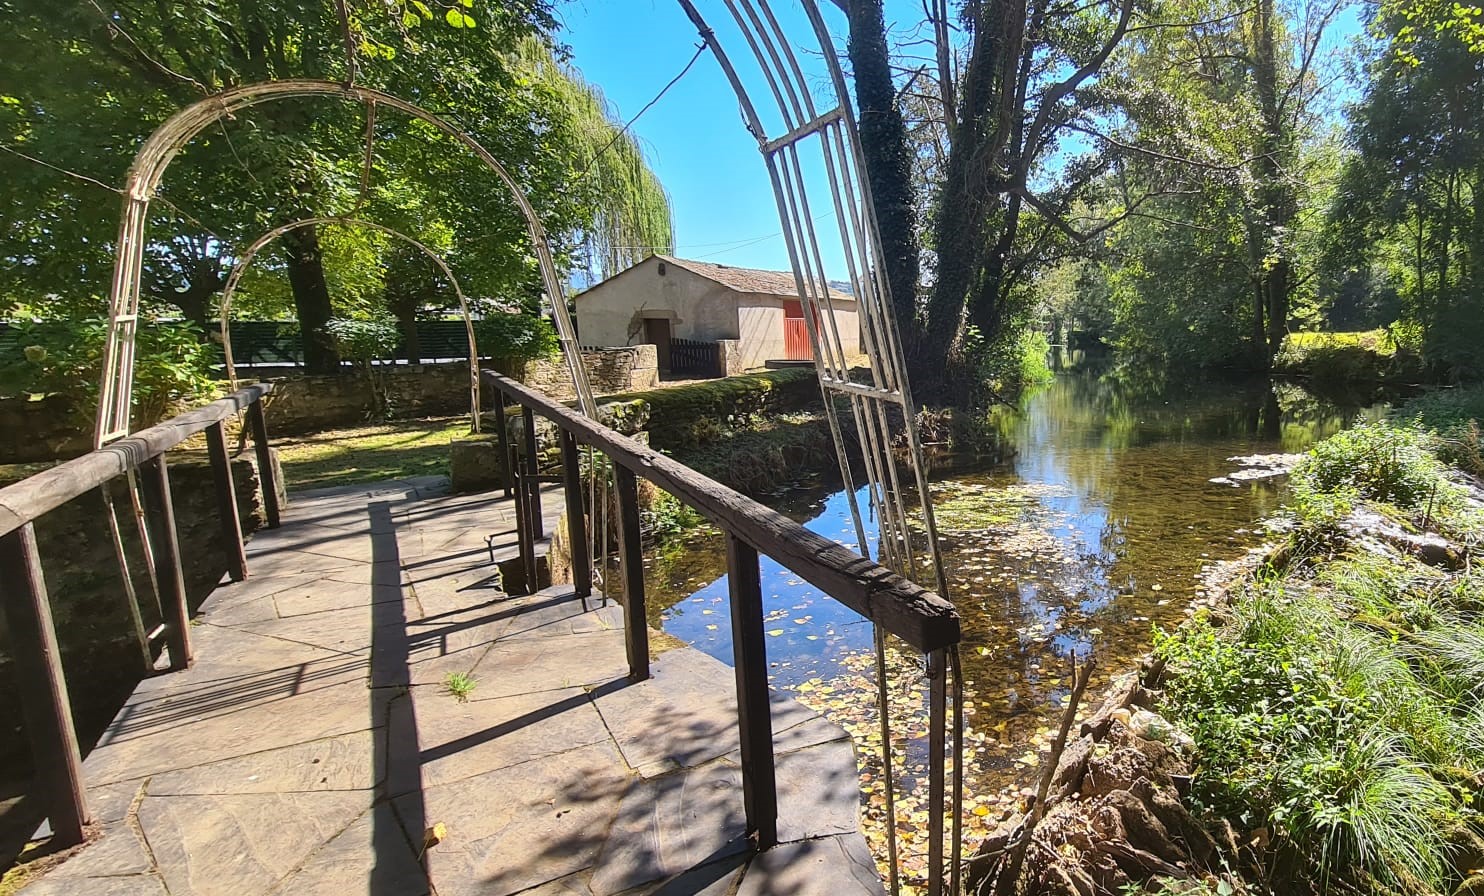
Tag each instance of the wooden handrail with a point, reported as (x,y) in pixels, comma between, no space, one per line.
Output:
(40,681)
(36,495)
(916,615)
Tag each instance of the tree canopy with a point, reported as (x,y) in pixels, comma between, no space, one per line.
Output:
(86,83)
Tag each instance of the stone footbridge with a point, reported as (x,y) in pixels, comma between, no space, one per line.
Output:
(313,747)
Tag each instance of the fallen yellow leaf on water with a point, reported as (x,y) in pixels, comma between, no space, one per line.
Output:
(775,632)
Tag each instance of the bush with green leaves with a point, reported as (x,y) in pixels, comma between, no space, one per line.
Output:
(515,337)
(173,367)
(362,341)
(1377,462)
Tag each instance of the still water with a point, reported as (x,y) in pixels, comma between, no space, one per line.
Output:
(1080,525)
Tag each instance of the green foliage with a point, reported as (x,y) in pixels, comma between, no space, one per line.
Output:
(1332,732)
(668,519)
(1405,218)
(695,414)
(1338,703)
(1376,462)
(516,337)
(1453,416)
(1342,359)
(173,368)
(459,685)
(85,85)
(362,341)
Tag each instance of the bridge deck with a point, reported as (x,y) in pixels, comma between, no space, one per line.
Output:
(313,745)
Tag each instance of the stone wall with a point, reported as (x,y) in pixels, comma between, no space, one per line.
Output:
(302,403)
(36,431)
(99,654)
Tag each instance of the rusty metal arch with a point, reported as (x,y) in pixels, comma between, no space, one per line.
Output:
(244,261)
(148,170)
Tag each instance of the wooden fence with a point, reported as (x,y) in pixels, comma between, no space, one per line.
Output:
(918,616)
(33,637)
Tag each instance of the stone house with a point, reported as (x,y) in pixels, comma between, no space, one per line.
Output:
(756,315)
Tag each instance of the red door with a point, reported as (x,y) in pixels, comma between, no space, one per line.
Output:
(795,334)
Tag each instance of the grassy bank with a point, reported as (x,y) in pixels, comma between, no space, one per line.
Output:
(1335,702)
(1344,359)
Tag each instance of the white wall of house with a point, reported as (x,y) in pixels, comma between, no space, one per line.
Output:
(613,312)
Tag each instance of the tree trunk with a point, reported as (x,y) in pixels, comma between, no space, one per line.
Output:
(1277,194)
(406,314)
(306,270)
(887,158)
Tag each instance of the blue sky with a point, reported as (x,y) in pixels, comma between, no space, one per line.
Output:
(719,188)
(694,138)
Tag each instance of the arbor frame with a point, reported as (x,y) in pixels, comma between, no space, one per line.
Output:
(148,170)
(244,261)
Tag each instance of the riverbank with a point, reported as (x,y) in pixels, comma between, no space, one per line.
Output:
(1316,727)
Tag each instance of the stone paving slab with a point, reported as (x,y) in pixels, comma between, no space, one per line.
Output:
(314,744)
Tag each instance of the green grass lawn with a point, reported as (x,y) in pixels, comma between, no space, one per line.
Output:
(369,453)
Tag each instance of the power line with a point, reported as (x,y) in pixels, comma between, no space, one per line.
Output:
(647,106)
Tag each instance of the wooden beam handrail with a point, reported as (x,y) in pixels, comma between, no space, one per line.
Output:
(916,615)
(37,495)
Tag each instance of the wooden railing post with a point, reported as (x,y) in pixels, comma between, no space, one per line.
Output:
(165,546)
(937,672)
(631,559)
(754,714)
(525,537)
(582,564)
(267,479)
(42,686)
(226,500)
(533,489)
(502,430)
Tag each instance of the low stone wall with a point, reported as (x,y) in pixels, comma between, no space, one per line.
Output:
(38,431)
(302,403)
(99,654)
(610,370)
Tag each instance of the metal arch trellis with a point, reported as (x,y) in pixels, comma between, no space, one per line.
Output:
(875,406)
(148,170)
(251,252)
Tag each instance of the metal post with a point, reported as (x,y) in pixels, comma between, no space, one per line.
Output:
(166,548)
(631,558)
(502,429)
(937,748)
(754,714)
(267,478)
(582,565)
(533,489)
(226,500)
(42,686)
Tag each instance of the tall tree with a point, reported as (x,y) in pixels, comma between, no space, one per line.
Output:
(1409,201)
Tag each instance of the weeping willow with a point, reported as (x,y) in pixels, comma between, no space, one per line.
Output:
(630,216)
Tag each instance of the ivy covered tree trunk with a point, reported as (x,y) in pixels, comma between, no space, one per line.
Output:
(887,158)
(1277,194)
(306,271)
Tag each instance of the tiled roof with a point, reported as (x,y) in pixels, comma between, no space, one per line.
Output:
(773,283)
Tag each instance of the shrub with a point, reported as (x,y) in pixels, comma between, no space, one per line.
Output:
(362,341)
(516,337)
(1453,415)
(172,367)
(1378,462)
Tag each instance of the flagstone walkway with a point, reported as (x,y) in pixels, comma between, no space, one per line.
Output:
(314,748)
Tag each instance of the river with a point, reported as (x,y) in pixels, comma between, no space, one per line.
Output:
(1081,525)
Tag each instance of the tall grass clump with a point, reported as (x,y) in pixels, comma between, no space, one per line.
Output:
(1337,705)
